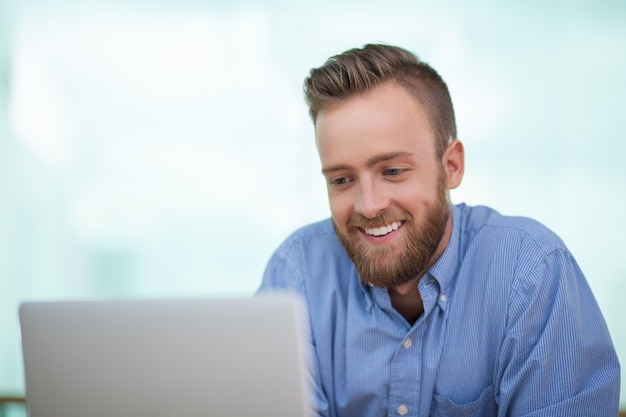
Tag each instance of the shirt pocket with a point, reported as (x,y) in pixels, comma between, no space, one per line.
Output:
(484,406)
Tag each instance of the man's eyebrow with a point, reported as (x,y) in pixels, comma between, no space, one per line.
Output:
(370,162)
(386,157)
(333,168)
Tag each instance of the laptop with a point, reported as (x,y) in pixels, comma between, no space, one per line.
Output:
(165,358)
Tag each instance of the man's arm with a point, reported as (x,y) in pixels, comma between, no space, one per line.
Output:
(557,357)
(280,275)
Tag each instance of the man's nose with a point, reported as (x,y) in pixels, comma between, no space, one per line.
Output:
(371,200)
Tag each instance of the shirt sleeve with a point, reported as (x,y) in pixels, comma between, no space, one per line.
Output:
(281,275)
(557,356)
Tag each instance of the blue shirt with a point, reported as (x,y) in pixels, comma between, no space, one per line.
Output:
(510,327)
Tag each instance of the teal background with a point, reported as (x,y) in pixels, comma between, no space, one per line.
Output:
(154,149)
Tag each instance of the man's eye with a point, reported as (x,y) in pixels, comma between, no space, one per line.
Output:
(339,181)
(392,172)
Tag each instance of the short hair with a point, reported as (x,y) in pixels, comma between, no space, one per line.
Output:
(359,70)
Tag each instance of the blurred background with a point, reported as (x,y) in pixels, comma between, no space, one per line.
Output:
(162,148)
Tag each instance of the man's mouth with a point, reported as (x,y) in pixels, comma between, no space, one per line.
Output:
(383,230)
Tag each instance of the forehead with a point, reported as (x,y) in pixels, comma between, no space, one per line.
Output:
(385,119)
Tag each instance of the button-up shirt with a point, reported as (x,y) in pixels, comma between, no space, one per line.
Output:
(510,327)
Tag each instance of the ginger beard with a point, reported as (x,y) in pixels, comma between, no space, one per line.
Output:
(390,264)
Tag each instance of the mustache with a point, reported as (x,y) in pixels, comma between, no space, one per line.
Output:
(358,221)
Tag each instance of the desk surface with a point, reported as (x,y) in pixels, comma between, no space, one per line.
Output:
(12,399)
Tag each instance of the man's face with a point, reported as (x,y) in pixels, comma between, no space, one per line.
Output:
(387,189)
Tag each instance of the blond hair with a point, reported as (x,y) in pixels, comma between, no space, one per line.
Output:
(359,70)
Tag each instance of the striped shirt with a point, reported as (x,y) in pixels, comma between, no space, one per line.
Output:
(510,327)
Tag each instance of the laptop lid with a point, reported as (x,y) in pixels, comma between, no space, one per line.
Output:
(165,358)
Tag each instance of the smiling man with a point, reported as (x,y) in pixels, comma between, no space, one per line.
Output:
(418,307)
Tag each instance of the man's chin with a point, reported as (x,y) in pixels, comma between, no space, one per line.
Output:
(378,267)
(382,279)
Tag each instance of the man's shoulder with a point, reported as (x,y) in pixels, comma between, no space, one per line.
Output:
(322,229)
(306,254)
(318,236)
(487,223)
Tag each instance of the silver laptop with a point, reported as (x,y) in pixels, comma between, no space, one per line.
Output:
(164,358)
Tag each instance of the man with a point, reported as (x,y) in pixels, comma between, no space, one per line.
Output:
(418,307)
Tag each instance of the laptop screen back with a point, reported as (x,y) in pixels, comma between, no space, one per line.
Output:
(190,357)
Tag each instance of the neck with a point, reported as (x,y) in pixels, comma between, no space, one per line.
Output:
(407,301)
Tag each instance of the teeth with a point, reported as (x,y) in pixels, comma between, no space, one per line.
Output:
(383,230)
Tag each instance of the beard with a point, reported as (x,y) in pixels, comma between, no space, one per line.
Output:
(397,263)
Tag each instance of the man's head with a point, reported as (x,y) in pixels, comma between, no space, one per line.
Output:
(359,70)
(385,134)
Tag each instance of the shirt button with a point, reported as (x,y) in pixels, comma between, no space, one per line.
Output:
(443,298)
(407,343)
(402,410)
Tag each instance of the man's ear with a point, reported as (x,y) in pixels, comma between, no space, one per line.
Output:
(453,161)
